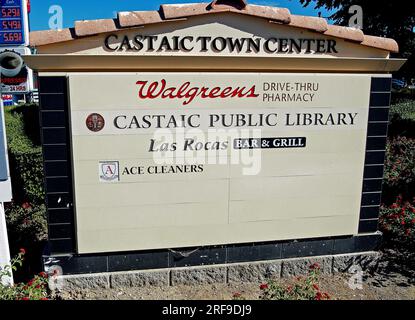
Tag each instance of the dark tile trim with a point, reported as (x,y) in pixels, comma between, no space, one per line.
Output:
(381,84)
(61,246)
(377,129)
(380,99)
(373,171)
(367,226)
(375,153)
(61,231)
(52,85)
(198,256)
(253,252)
(375,157)
(376,144)
(372,185)
(53,101)
(371,199)
(306,249)
(55,138)
(378,114)
(237,253)
(57,169)
(60,216)
(55,152)
(369,212)
(360,243)
(52,119)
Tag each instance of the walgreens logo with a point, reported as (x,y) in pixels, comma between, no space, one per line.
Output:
(187,92)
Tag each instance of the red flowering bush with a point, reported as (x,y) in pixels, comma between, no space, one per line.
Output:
(397,221)
(237,296)
(302,288)
(399,177)
(35,289)
(26,223)
(26,215)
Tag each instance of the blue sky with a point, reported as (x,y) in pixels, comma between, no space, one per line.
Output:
(102,9)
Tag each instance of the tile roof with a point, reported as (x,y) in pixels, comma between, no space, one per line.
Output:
(173,12)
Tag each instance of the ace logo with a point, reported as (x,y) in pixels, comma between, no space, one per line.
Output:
(109,171)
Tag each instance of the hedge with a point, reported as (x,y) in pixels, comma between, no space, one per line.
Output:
(26,215)
(399,177)
(402,118)
(25,153)
(397,214)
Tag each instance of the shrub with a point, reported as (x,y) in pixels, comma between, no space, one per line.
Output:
(397,221)
(303,288)
(35,289)
(399,176)
(405,108)
(27,224)
(402,118)
(237,296)
(26,163)
(26,215)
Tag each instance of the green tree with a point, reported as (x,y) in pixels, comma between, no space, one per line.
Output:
(384,18)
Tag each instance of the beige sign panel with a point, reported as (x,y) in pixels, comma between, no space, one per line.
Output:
(166,160)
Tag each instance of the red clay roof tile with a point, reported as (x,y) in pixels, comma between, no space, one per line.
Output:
(138,18)
(271,13)
(174,11)
(40,38)
(178,11)
(347,33)
(311,23)
(91,27)
(381,43)
(241,4)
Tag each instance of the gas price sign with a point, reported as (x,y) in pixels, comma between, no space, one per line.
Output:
(13,22)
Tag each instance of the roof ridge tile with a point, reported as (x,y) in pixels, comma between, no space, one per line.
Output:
(237,4)
(92,27)
(44,37)
(171,12)
(312,23)
(347,33)
(381,43)
(138,18)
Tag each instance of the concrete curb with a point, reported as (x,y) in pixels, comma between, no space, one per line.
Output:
(251,272)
